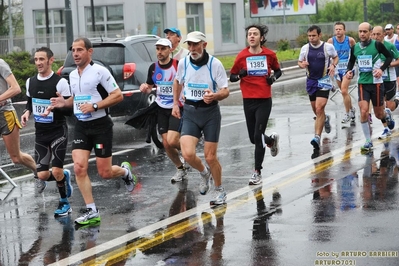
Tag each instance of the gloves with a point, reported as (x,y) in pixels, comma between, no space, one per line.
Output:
(270,80)
(242,73)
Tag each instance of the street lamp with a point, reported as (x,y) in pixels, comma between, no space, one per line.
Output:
(10,33)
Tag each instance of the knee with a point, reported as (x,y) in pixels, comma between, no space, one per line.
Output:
(79,169)
(58,172)
(210,158)
(319,111)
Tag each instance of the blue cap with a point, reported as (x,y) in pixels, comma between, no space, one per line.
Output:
(175,30)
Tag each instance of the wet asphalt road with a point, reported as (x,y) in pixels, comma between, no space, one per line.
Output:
(339,207)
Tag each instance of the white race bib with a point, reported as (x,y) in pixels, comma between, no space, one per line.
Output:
(77,102)
(39,106)
(196,91)
(257,66)
(325,82)
(365,63)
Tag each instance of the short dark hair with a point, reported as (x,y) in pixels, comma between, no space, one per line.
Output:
(47,50)
(339,23)
(314,27)
(86,41)
(263,29)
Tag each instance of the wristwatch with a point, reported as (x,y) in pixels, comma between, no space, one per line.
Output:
(95,107)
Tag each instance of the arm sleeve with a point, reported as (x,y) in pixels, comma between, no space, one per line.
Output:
(352,60)
(151,70)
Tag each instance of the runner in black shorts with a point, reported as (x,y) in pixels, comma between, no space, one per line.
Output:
(94,90)
(51,136)
(161,74)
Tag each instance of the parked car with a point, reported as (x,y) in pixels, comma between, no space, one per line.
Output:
(128,59)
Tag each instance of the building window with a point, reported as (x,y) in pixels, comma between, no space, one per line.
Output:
(195,17)
(155,16)
(228,23)
(108,21)
(57,29)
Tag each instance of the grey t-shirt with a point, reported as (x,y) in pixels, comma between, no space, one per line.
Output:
(5,71)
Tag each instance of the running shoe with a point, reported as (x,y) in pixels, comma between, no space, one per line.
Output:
(130,179)
(352,114)
(63,208)
(385,134)
(40,185)
(368,146)
(274,148)
(315,142)
(346,119)
(69,188)
(327,125)
(255,179)
(219,197)
(89,217)
(179,176)
(205,182)
(370,119)
(391,125)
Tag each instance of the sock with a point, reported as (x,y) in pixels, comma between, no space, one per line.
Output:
(366,130)
(205,171)
(92,206)
(62,188)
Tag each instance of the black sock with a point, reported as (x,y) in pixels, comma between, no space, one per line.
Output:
(62,188)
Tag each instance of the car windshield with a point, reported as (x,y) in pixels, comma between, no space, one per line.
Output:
(109,55)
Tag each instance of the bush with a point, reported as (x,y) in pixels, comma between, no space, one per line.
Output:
(302,39)
(283,45)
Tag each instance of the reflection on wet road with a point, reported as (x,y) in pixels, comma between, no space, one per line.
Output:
(334,206)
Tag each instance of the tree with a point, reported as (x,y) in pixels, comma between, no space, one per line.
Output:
(17,17)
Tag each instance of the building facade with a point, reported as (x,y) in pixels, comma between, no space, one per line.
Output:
(222,21)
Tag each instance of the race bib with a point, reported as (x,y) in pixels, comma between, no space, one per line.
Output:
(196,91)
(365,63)
(77,102)
(39,106)
(325,83)
(165,88)
(257,66)
(341,66)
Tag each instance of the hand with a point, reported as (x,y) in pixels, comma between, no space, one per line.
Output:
(144,87)
(209,96)
(176,111)
(25,118)
(270,80)
(58,101)
(349,74)
(242,73)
